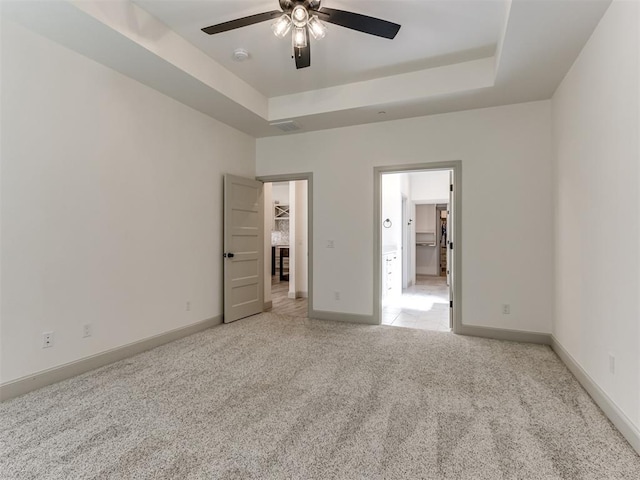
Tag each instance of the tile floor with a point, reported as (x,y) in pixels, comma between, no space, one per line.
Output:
(424,305)
(284,305)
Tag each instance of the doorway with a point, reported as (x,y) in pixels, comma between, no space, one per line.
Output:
(287,243)
(417,266)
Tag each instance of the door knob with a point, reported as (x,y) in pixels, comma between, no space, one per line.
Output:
(228,255)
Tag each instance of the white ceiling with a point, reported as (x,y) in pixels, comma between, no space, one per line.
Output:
(433,33)
(449,55)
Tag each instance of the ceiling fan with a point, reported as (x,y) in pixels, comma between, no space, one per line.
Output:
(304,17)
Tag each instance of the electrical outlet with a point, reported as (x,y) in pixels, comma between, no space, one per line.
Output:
(336,296)
(86,330)
(612,363)
(506,309)
(47,339)
(330,244)
(188,306)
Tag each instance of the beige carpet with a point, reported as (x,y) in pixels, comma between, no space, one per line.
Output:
(280,398)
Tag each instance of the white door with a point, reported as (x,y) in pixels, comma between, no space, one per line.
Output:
(450,246)
(243,247)
(406,251)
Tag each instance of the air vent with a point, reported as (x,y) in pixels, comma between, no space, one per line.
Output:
(286,126)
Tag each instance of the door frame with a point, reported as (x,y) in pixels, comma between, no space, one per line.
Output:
(291,177)
(406,243)
(456,210)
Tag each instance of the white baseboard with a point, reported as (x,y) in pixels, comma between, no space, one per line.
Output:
(46,377)
(343,317)
(503,334)
(41,379)
(608,406)
(297,294)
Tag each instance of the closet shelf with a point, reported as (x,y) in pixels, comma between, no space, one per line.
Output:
(281,212)
(421,244)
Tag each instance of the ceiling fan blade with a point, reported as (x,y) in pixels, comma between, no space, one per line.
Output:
(242,22)
(303,56)
(362,23)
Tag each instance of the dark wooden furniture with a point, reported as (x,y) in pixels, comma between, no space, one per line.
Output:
(275,258)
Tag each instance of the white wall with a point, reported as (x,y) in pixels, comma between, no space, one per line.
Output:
(391,209)
(412,244)
(430,187)
(395,187)
(300,286)
(408,235)
(267,193)
(280,193)
(293,211)
(506,154)
(111,206)
(596,126)
(426,218)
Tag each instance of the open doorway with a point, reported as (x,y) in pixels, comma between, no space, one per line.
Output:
(415,248)
(286,214)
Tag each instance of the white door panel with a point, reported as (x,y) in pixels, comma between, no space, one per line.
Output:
(243,247)
(450,238)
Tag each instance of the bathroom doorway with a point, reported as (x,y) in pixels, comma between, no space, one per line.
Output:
(415,249)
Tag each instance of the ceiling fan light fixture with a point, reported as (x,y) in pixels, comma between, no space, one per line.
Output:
(299,16)
(301,19)
(299,37)
(317,28)
(281,26)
